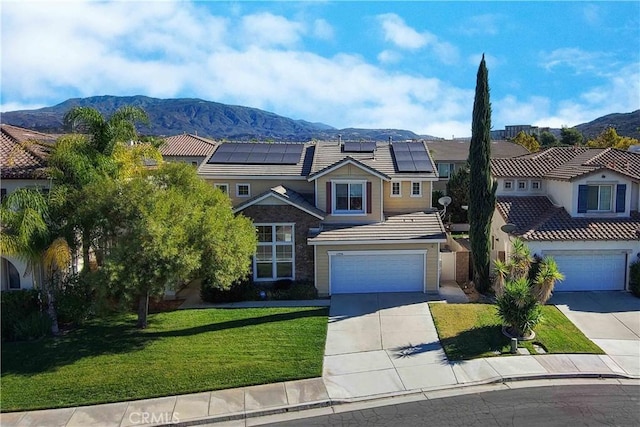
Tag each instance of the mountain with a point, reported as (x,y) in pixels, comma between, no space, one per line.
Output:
(208,119)
(626,124)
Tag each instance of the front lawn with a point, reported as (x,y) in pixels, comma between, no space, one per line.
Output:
(469,331)
(183,351)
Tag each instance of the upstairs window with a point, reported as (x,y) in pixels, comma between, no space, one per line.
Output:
(445,170)
(243,190)
(416,189)
(599,198)
(396,189)
(535,185)
(222,187)
(349,197)
(508,185)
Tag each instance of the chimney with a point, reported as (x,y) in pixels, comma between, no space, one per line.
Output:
(339,140)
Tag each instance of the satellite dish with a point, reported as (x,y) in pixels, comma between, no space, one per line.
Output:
(445,201)
(508,228)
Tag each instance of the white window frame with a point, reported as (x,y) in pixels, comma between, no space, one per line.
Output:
(451,169)
(274,259)
(340,212)
(536,185)
(521,185)
(241,184)
(222,185)
(399,193)
(419,194)
(508,185)
(611,197)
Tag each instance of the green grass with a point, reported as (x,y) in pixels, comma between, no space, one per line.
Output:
(183,351)
(469,331)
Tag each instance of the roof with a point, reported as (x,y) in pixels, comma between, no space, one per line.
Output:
(345,161)
(23,152)
(187,145)
(536,218)
(567,163)
(286,195)
(405,228)
(458,150)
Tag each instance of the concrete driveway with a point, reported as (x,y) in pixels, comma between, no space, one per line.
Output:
(609,319)
(382,343)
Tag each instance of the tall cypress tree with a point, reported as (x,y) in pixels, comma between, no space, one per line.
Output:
(482,191)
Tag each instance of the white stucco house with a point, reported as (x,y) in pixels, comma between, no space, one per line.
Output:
(579,205)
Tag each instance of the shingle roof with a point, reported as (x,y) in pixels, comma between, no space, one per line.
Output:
(405,227)
(567,163)
(288,195)
(536,218)
(458,150)
(23,152)
(187,145)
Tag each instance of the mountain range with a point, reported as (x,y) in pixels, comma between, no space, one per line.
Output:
(169,117)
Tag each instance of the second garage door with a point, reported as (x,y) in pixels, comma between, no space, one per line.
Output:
(591,271)
(377,271)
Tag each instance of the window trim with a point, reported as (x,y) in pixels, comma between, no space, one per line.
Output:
(399,183)
(419,189)
(334,204)
(611,198)
(273,245)
(524,183)
(220,185)
(534,182)
(238,185)
(510,187)
(451,167)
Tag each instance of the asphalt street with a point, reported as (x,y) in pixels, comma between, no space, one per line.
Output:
(584,405)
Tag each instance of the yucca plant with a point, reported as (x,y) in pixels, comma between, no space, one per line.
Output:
(518,308)
(545,280)
(520,258)
(502,269)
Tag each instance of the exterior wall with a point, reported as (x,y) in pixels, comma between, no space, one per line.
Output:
(561,193)
(185,159)
(26,277)
(635,196)
(351,172)
(516,192)
(500,241)
(259,186)
(607,177)
(303,222)
(406,203)
(11,185)
(322,261)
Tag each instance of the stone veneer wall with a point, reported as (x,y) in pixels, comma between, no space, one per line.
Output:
(302,220)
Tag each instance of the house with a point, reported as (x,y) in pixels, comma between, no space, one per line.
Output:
(187,148)
(450,155)
(579,205)
(23,155)
(352,217)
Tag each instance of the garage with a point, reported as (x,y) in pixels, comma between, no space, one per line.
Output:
(377,271)
(591,270)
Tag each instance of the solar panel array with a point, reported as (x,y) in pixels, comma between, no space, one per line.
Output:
(257,154)
(359,147)
(411,157)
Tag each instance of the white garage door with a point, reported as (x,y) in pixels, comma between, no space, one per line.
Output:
(590,271)
(377,271)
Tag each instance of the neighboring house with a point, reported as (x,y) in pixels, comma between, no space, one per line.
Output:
(23,155)
(579,205)
(450,155)
(351,217)
(187,148)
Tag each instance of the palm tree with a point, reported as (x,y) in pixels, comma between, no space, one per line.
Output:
(27,234)
(520,258)
(545,280)
(503,270)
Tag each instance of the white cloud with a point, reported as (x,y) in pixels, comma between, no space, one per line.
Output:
(389,56)
(485,24)
(322,29)
(266,29)
(581,61)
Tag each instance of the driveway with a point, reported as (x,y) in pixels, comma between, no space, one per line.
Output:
(382,343)
(609,319)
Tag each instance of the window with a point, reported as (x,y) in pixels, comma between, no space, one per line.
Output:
(349,197)
(194,164)
(222,187)
(3,194)
(535,185)
(522,185)
(10,275)
(599,198)
(445,170)
(508,185)
(416,189)
(275,252)
(243,190)
(396,189)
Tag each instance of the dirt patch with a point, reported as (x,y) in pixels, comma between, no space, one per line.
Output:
(474,296)
(162,305)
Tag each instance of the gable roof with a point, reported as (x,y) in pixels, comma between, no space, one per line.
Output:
(536,218)
(346,161)
(23,152)
(568,163)
(458,150)
(286,195)
(187,145)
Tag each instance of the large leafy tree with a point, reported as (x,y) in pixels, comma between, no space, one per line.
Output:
(482,192)
(571,136)
(609,138)
(458,190)
(527,141)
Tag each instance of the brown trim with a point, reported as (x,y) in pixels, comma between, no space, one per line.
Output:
(369,208)
(329,184)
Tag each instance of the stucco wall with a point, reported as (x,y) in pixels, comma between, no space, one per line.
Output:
(405,203)
(259,186)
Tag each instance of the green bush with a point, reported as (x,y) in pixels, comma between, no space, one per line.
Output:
(74,299)
(241,290)
(35,325)
(299,290)
(518,308)
(634,278)
(17,305)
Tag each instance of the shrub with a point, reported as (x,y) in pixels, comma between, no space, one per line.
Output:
(634,278)
(518,308)
(35,325)
(241,290)
(299,290)
(17,305)
(74,299)
(282,284)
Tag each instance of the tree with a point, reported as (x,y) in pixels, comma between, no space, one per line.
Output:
(547,139)
(482,190)
(570,136)
(527,141)
(458,190)
(609,138)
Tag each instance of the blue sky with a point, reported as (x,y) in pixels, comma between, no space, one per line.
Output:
(408,65)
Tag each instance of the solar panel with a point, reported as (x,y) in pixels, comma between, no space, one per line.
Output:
(290,159)
(257,153)
(273,159)
(406,166)
(256,158)
(411,157)
(359,147)
(422,166)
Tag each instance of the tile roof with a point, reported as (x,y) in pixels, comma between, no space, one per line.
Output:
(23,152)
(536,218)
(404,227)
(458,150)
(288,195)
(187,145)
(567,163)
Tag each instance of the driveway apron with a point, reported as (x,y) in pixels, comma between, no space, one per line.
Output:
(382,343)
